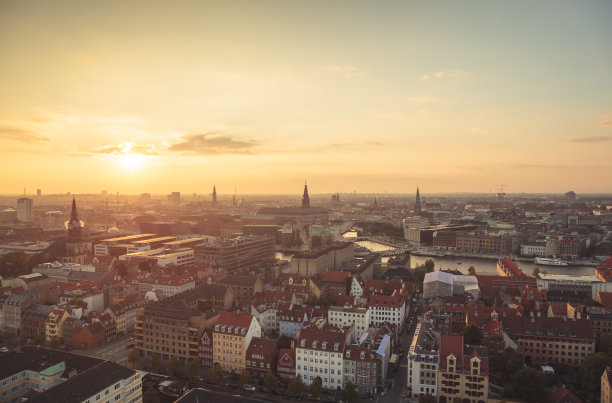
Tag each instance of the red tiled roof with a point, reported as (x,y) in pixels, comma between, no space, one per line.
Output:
(562,395)
(604,270)
(330,335)
(333,276)
(605,298)
(232,319)
(558,308)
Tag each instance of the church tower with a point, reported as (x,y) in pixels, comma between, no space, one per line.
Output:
(305,197)
(417,204)
(214,197)
(74,225)
(77,248)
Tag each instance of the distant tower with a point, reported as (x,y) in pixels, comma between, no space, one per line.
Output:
(375,203)
(214,194)
(25,208)
(305,197)
(74,225)
(234,198)
(417,204)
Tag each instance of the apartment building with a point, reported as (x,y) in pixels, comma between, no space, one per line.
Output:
(232,336)
(423,359)
(348,315)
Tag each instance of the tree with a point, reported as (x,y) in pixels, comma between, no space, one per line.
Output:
(39,340)
(430,265)
(472,335)
(245,378)
(174,367)
(536,271)
(605,344)
(349,394)
(155,361)
(23,338)
(77,302)
(316,387)
(529,384)
(9,336)
(296,386)
(423,269)
(427,398)
(472,271)
(270,382)
(216,374)
(150,396)
(134,356)
(591,370)
(193,367)
(13,264)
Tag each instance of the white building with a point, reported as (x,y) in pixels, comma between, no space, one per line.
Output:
(342,316)
(388,307)
(319,352)
(537,249)
(423,362)
(438,284)
(357,287)
(169,285)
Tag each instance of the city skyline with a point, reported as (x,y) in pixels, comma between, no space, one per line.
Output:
(351,96)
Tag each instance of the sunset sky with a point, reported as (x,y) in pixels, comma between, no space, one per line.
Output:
(456,96)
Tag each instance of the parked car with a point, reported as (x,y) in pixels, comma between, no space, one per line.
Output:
(250,388)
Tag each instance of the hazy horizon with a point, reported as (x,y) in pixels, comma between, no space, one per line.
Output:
(148,96)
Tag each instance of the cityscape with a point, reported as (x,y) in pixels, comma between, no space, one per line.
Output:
(391,202)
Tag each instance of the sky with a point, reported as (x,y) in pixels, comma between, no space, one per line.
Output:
(157,96)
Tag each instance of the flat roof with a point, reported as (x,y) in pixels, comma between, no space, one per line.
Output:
(183,241)
(162,238)
(587,278)
(128,237)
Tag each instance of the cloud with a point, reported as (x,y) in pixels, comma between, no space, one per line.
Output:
(128,148)
(484,131)
(372,143)
(605,123)
(212,144)
(421,114)
(348,71)
(25,136)
(441,74)
(368,143)
(589,139)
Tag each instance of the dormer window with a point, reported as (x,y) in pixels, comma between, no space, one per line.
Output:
(348,354)
(314,344)
(303,344)
(324,346)
(475,362)
(336,346)
(362,355)
(452,361)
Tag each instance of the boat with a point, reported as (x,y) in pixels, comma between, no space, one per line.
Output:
(550,262)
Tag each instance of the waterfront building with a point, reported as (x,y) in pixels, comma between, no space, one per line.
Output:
(331,258)
(484,243)
(437,284)
(603,271)
(463,371)
(507,268)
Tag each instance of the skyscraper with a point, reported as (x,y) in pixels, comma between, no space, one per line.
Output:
(24,209)
(305,197)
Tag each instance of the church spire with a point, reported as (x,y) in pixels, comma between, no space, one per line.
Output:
(214,195)
(305,197)
(74,225)
(417,204)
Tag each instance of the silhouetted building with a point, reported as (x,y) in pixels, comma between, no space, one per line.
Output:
(417,204)
(214,195)
(305,197)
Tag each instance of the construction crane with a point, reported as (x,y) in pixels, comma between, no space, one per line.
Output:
(500,192)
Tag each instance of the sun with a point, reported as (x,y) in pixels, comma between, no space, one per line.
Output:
(131,161)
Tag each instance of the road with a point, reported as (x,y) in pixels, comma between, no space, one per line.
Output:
(116,350)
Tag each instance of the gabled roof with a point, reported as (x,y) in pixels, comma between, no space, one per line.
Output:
(232,319)
(333,276)
(562,395)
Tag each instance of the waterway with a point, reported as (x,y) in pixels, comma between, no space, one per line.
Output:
(489,266)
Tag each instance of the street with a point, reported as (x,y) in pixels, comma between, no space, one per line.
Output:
(116,350)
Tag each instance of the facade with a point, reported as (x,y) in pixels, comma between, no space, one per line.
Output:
(484,243)
(261,356)
(423,361)
(342,316)
(25,209)
(206,349)
(320,352)
(235,254)
(606,388)
(291,321)
(12,308)
(243,287)
(55,321)
(266,308)
(170,330)
(463,371)
(169,285)
(34,320)
(286,364)
(89,336)
(124,313)
(232,336)
(361,367)
(437,284)
(388,306)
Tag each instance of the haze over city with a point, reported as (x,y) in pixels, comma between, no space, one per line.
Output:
(352,96)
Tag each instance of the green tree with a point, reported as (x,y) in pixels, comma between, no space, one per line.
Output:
(349,394)
(536,271)
(529,384)
(591,370)
(430,265)
(245,378)
(174,367)
(472,271)
(150,396)
(155,361)
(77,302)
(296,386)
(134,356)
(193,367)
(427,398)
(9,336)
(23,338)
(216,374)
(39,340)
(13,264)
(316,387)
(472,335)
(270,382)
